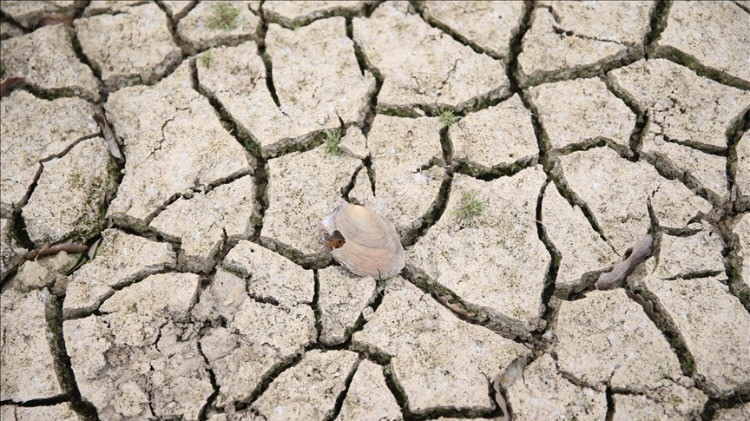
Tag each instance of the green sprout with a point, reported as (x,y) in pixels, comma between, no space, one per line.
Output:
(207,58)
(332,140)
(469,207)
(447,118)
(224,17)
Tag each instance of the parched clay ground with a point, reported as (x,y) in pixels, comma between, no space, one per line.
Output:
(191,147)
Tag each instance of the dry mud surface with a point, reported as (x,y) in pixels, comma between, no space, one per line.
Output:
(520,149)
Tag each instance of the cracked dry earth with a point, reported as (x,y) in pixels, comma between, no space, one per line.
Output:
(190,147)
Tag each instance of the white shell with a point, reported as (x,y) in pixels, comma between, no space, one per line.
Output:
(372,246)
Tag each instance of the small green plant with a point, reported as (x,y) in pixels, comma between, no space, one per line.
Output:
(224,17)
(469,208)
(332,140)
(207,58)
(447,118)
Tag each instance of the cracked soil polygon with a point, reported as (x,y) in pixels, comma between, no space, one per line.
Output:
(714,34)
(682,256)
(401,150)
(124,56)
(422,65)
(47,61)
(368,396)
(714,326)
(498,263)
(665,401)
(57,126)
(606,339)
(478,22)
(303,188)
(617,191)
(567,36)
(544,394)
(201,223)
(437,360)
(120,259)
(59,412)
(682,106)
(574,111)
(198,33)
(9,30)
(26,356)
(270,276)
(28,13)
(174,142)
(342,298)
(316,78)
(177,9)
(496,136)
(138,359)
(581,248)
(308,390)
(71,193)
(294,12)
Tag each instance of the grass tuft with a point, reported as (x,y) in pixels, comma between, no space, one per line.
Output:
(447,118)
(469,208)
(332,140)
(207,58)
(224,17)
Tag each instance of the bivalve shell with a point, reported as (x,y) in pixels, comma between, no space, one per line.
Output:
(363,242)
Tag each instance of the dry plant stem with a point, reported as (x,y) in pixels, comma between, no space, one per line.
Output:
(47,250)
(9,84)
(616,277)
(109,137)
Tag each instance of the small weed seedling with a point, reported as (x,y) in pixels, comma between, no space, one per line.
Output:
(333,138)
(224,17)
(447,118)
(469,207)
(207,58)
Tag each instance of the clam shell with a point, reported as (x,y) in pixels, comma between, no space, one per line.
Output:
(371,246)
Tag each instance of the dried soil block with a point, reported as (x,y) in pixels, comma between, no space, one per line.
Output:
(422,65)
(490,25)
(174,142)
(567,37)
(438,360)
(26,355)
(47,61)
(57,126)
(202,222)
(319,377)
(501,135)
(123,56)
(70,196)
(575,111)
(401,150)
(606,339)
(617,192)
(712,33)
(542,393)
(138,358)
(714,325)
(120,259)
(202,29)
(498,262)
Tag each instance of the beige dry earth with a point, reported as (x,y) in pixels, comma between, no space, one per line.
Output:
(520,149)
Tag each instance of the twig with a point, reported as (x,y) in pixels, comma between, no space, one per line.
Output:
(47,250)
(616,277)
